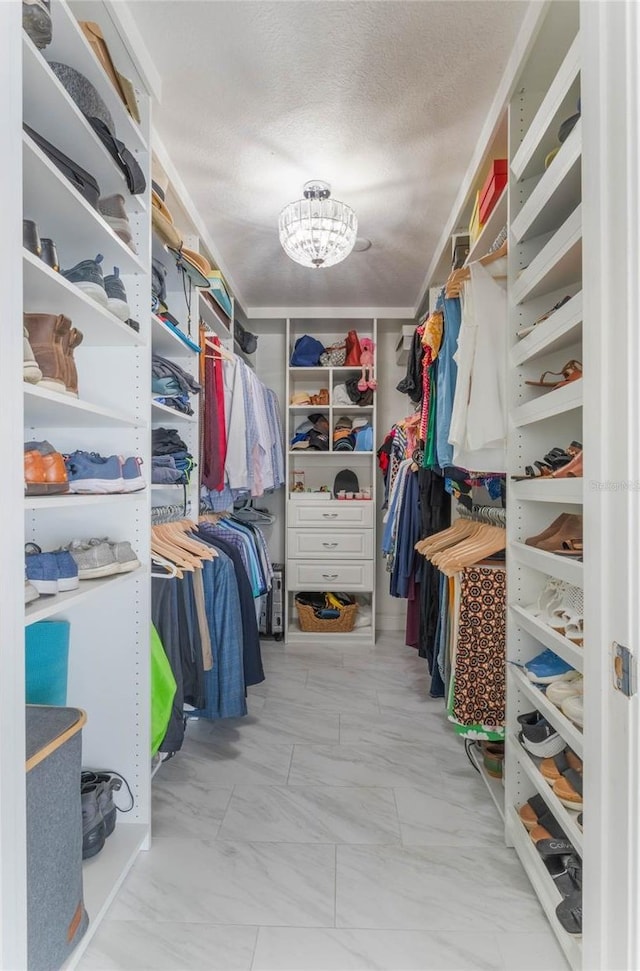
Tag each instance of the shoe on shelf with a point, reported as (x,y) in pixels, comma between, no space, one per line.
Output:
(125,557)
(545,316)
(549,598)
(558,463)
(71,340)
(68,578)
(94,560)
(53,468)
(539,737)
(90,473)
(30,370)
(569,913)
(567,530)
(568,789)
(565,617)
(116,295)
(571,371)
(31,237)
(559,691)
(49,254)
(87,276)
(132,474)
(114,213)
(36,21)
(30,592)
(42,569)
(34,479)
(547,667)
(107,783)
(47,336)
(551,769)
(93,827)
(573,708)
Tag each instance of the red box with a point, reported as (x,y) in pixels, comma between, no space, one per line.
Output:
(492,188)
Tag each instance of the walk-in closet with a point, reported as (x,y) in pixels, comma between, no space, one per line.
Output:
(327,523)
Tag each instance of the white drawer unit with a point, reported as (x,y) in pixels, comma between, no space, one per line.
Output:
(344,575)
(341,543)
(321,514)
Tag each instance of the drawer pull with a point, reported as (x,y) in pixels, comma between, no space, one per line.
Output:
(330,576)
(330,546)
(330,515)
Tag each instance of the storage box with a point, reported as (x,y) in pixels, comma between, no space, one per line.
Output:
(475,226)
(492,188)
(56,918)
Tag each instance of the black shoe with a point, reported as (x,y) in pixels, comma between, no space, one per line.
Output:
(30,237)
(93,826)
(49,254)
(106,783)
(569,913)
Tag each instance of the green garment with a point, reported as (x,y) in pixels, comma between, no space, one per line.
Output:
(163,690)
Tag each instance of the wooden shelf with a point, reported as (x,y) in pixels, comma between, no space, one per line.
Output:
(547,489)
(562,329)
(44,409)
(542,883)
(496,221)
(563,567)
(162,413)
(558,264)
(548,405)
(572,653)
(45,606)
(557,193)
(569,732)
(560,100)
(78,229)
(48,109)
(46,291)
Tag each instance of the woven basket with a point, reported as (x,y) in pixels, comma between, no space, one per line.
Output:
(341,625)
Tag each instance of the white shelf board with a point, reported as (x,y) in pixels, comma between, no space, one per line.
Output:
(50,606)
(48,408)
(557,193)
(546,489)
(531,154)
(69,46)
(353,409)
(562,646)
(558,264)
(103,876)
(569,732)
(297,636)
(301,409)
(321,371)
(495,787)
(545,889)
(346,456)
(562,329)
(157,486)
(161,413)
(214,318)
(166,342)
(45,290)
(68,500)
(563,567)
(548,405)
(78,229)
(496,221)
(48,109)
(566,817)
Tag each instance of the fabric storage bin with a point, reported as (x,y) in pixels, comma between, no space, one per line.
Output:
(46,662)
(492,188)
(56,917)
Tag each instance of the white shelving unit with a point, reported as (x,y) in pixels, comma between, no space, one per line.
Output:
(544,265)
(109,619)
(351,522)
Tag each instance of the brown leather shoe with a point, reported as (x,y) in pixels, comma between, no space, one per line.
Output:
(55,474)
(69,343)
(46,334)
(34,477)
(569,531)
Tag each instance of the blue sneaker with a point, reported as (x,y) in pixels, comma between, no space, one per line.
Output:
(42,569)
(547,667)
(131,474)
(67,571)
(88,277)
(91,473)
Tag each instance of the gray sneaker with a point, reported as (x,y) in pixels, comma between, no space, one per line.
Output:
(114,213)
(94,559)
(116,295)
(93,827)
(125,557)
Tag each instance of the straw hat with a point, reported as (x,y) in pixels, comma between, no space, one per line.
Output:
(161,218)
(195,265)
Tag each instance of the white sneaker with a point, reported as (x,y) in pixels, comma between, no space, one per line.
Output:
(559,691)
(573,708)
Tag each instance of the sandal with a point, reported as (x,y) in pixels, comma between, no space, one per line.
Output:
(568,789)
(570,547)
(553,464)
(572,371)
(552,769)
(569,913)
(527,330)
(533,811)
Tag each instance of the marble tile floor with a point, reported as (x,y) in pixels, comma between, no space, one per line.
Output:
(339,826)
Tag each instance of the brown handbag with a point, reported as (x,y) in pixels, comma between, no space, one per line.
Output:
(353,350)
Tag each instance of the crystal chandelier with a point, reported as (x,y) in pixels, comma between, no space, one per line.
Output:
(317,231)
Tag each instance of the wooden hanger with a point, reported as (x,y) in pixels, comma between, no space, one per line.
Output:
(458,277)
(219,351)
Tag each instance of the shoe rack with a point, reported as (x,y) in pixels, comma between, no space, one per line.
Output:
(544,266)
(109,618)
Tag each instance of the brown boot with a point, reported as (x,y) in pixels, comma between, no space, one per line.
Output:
(34,477)
(55,474)
(69,343)
(46,334)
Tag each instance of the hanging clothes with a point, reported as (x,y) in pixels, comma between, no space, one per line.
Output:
(214,444)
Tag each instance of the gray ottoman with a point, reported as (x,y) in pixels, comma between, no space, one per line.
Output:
(56,916)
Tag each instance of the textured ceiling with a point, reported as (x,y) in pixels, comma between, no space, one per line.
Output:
(385,100)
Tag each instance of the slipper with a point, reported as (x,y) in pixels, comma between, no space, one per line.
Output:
(569,913)
(552,769)
(566,873)
(568,789)
(532,811)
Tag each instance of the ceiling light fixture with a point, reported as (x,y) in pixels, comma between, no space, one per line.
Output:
(317,231)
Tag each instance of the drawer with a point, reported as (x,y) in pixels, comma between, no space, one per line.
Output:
(338,511)
(345,575)
(327,544)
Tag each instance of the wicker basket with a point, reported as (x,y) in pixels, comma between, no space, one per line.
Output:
(312,624)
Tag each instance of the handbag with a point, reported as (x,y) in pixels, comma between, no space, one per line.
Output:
(353,349)
(248,342)
(306,352)
(79,178)
(136,182)
(335,355)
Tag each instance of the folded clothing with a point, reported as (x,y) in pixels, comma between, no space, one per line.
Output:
(171,462)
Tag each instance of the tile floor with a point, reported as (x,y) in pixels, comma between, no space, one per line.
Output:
(337,827)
